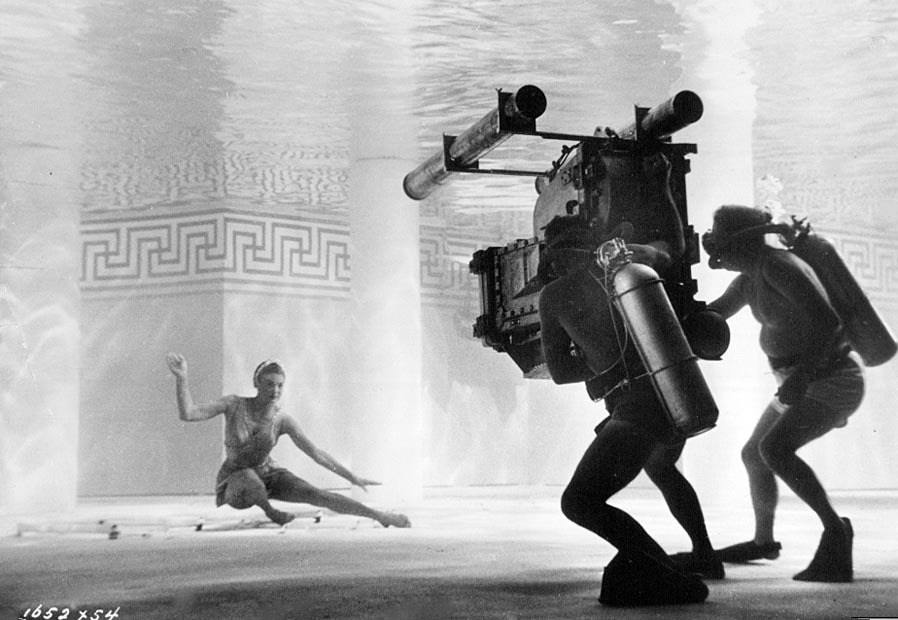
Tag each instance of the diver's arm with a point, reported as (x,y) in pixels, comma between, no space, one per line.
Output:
(672,236)
(563,366)
(655,254)
(732,300)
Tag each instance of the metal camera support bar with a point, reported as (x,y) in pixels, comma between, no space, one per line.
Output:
(516,114)
(631,180)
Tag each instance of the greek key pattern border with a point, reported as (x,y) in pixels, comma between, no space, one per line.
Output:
(308,254)
(874,262)
(124,255)
(445,276)
(227,249)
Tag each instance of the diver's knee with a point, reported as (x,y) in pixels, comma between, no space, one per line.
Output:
(773,453)
(577,505)
(570,504)
(751,455)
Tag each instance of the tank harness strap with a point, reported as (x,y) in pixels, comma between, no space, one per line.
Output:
(623,384)
(627,379)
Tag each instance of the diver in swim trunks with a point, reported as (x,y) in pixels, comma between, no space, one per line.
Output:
(821,383)
(249,476)
(584,339)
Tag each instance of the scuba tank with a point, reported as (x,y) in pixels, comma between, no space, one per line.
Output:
(865,330)
(638,295)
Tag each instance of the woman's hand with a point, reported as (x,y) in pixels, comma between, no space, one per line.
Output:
(364,482)
(177,364)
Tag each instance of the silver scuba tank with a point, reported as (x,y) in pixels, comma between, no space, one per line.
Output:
(639,296)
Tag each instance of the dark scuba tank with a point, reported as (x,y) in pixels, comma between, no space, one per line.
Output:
(640,298)
(865,330)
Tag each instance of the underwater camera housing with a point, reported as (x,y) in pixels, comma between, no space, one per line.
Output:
(628,183)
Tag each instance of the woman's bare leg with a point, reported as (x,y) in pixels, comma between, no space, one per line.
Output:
(245,489)
(290,488)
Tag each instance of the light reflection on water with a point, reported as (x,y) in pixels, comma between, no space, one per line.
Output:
(261,112)
(594,61)
(188,100)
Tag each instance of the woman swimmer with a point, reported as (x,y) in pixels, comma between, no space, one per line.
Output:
(249,477)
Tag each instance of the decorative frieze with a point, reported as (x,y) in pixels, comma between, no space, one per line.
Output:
(145,254)
(241,250)
(874,262)
(149,253)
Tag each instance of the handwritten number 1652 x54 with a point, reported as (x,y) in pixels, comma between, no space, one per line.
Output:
(66,613)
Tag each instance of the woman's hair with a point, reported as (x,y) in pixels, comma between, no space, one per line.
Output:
(267,367)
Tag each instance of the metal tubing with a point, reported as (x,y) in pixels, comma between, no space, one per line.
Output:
(524,106)
(666,118)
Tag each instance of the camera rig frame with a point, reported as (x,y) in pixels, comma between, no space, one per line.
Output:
(609,179)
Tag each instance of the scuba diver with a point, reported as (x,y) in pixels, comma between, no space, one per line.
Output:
(584,340)
(820,383)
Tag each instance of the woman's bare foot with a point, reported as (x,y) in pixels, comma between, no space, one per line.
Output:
(395,519)
(279,516)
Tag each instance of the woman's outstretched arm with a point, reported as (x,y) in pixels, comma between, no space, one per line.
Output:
(187,409)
